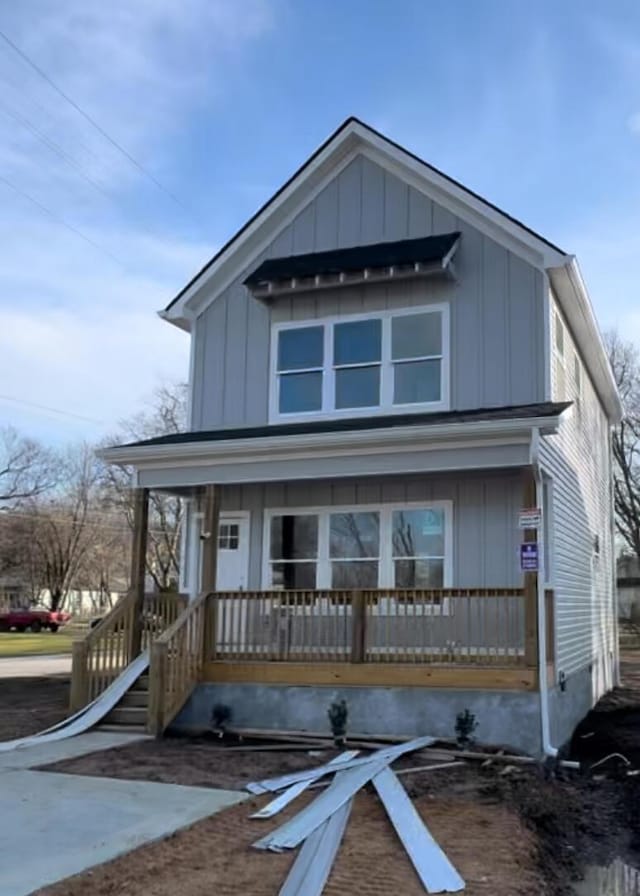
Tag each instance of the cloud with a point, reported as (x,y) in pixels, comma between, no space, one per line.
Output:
(78,329)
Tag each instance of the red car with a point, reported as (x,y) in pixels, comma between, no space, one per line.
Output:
(32,620)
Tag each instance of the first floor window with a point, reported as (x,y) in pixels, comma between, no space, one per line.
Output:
(418,542)
(354,549)
(293,551)
(387,546)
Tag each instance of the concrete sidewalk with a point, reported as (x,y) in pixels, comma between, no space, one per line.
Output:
(35,666)
(80,821)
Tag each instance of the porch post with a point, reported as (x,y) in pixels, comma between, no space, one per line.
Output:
(210,526)
(138,565)
(530,583)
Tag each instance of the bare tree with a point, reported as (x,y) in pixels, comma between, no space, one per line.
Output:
(62,530)
(26,469)
(625,363)
(167,414)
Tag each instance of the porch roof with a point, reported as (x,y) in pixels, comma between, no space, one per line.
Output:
(544,409)
(495,438)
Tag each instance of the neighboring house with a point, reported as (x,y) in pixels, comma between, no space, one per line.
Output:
(385,368)
(14,594)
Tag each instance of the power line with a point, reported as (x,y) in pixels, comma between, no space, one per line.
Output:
(92,121)
(54,147)
(44,407)
(61,221)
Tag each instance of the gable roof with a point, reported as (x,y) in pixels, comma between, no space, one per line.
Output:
(351,124)
(351,138)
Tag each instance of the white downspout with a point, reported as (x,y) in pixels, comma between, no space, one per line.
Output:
(547,747)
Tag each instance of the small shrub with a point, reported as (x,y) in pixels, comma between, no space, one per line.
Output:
(221,715)
(338,714)
(466,724)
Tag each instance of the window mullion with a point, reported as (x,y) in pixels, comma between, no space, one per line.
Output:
(323,578)
(328,379)
(386,366)
(385,572)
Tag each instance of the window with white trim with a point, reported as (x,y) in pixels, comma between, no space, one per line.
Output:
(392,546)
(361,364)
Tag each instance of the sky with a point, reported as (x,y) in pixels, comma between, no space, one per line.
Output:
(196,111)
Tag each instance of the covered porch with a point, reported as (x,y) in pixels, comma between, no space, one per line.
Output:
(442,605)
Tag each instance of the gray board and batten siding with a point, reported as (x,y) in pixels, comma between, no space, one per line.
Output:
(484,507)
(496,303)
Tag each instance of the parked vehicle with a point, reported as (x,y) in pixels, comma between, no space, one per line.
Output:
(32,619)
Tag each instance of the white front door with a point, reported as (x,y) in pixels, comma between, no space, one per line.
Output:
(233,552)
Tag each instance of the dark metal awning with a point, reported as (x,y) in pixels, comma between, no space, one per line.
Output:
(376,261)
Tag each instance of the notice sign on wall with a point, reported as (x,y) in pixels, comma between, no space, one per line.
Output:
(529,556)
(530,518)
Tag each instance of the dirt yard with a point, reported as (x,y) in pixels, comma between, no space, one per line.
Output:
(29,705)
(496,856)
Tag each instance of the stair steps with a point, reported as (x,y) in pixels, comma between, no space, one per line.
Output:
(130,713)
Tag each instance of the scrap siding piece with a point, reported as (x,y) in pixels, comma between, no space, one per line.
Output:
(313,865)
(434,868)
(275,784)
(298,828)
(295,790)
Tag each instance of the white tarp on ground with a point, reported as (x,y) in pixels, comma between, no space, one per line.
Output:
(320,825)
(89,716)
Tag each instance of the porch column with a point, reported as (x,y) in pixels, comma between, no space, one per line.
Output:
(138,565)
(210,527)
(530,583)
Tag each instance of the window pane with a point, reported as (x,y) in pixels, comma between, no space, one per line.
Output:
(354,574)
(416,335)
(417,381)
(289,576)
(419,573)
(300,392)
(358,387)
(300,348)
(418,533)
(294,537)
(354,535)
(357,342)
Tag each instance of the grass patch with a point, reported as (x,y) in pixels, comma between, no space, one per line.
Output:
(31,644)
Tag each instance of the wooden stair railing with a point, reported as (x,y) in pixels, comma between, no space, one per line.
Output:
(105,651)
(177,659)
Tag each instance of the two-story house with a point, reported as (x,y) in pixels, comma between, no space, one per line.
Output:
(386,369)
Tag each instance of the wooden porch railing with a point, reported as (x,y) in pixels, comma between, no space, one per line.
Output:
(106,650)
(177,658)
(481,625)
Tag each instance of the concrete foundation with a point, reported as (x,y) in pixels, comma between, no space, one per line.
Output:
(569,706)
(504,717)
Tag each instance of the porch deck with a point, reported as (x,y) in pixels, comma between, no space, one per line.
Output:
(480,638)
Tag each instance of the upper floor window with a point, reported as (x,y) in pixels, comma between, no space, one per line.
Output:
(357,364)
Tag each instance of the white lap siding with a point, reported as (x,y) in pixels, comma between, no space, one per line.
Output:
(578,460)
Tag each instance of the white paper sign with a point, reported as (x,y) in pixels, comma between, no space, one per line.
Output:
(530,518)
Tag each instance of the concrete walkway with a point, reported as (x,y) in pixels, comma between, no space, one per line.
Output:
(35,666)
(79,821)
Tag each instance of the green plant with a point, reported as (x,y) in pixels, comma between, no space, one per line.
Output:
(466,724)
(221,715)
(338,714)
